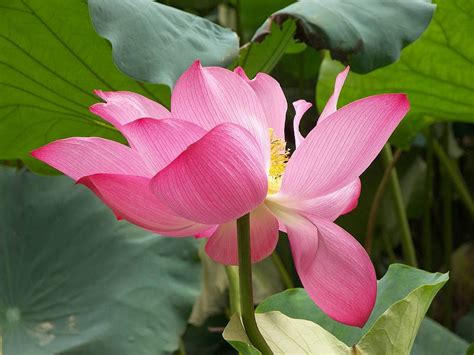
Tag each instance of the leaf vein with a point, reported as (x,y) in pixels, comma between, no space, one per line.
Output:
(65,45)
(45,66)
(42,85)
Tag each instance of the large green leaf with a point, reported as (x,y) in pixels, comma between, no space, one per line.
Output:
(436,73)
(289,335)
(50,61)
(285,335)
(74,280)
(157,43)
(433,339)
(262,57)
(367,34)
(252,13)
(192,5)
(394,332)
(404,295)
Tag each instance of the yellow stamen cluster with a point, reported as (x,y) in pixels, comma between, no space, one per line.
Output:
(278,159)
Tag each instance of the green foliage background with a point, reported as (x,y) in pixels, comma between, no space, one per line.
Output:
(76,281)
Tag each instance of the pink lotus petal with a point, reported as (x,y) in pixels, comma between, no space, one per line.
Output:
(222,245)
(272,99)
(329,206)
(335,270)
(350,194)
(208,232)
(331,105)
(130,198)
(159,142)
(122,107)
(301,106)
(215,180)
(339,149)
(78,157)
(211,96)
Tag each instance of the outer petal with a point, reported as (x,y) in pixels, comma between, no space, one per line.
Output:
(329,206)
(159,142)
(272,99)
(339,149)
(222,245)
(215,180)
(122,107)
(335,270)
(78,157)
(211,96)
(301,106)
(130,197)
(331,105)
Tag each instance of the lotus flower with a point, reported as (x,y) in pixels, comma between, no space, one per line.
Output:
(221,153)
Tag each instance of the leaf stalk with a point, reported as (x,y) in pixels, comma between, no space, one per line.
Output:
(407,239)
(452,171)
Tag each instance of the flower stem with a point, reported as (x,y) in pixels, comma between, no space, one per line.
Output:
(407,240)
(285,276)
(447,193)
(389,248)
(246,292)
(182,348)
(427,230)
(453,172)
(377,201)
(234,294)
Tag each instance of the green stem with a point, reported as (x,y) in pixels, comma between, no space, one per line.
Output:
(288,33)
(389,249)
(246,292)
(234,297)
(377,201)
(285,276)
(454,174)
(427,230)
(238,21)
(182,348)
(407,240)
(447,190)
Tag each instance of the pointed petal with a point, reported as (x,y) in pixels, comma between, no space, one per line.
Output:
(211,96)
(348,197)
(159,142)
(335,270)
(339,149)
(301,106)
(78,157)
(122,107)
(130,197)
(329,206)
(215,180)
(222,245)
(272,99)
(331,105)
